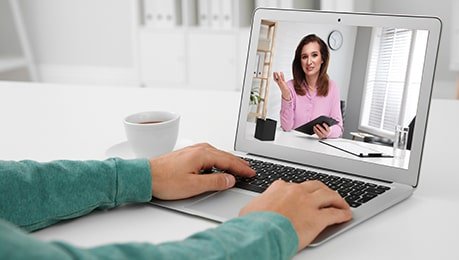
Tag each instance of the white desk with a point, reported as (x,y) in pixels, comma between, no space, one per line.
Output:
(302,141)
(45,122)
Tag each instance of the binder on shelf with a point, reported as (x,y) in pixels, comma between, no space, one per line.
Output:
(149,13)
(203,13)
(275,3)
(255,72)
(167,15)
(266,3)
(219,14)
(227,14)
(161,13)
(261,64)
(342,5)
(215,13)
(285,3)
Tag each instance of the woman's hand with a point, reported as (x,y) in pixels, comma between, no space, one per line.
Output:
(280,80)
(322,131)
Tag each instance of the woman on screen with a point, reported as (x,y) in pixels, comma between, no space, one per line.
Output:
(310,93)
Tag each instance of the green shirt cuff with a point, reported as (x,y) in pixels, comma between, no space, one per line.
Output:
(279,224)
(133,181)
(279,231)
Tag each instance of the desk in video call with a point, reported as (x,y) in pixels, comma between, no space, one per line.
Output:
(299,140)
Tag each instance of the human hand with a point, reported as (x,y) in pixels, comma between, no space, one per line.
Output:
(177,175)
(310,206)
(322,131)
(280,80)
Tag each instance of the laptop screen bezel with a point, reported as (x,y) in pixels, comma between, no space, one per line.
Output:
(408,176)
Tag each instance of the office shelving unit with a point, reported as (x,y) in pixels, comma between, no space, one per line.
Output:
(198,43)
(260,86)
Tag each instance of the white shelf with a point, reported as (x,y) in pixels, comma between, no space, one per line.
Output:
(11,63)
(202,44)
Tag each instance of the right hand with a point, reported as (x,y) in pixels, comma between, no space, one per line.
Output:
(322,131)
(177,175)
(280,80)
(310,206)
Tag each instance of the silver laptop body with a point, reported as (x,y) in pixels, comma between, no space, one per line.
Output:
(365,71)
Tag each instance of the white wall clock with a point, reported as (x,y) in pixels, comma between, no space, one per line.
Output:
(335,40)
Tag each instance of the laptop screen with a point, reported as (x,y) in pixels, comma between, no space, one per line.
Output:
(338,90)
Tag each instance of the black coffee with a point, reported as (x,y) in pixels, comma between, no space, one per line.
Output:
(150,122)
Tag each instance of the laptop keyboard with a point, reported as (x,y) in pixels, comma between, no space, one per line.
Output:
(354,192)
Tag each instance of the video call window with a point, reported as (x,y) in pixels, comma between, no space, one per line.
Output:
(374,76)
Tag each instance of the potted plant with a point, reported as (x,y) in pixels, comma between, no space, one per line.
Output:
(255,97)
(265,128)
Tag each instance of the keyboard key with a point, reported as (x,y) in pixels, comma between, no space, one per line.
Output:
(383,187)
(251,187)
(375,190)
(354,204)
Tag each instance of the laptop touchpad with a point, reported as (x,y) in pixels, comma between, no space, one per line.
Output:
(222,205)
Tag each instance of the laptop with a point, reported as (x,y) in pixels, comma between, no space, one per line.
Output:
(383,67)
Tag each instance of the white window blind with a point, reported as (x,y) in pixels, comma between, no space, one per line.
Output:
(390,74)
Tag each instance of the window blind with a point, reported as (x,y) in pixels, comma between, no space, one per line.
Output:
(387,73)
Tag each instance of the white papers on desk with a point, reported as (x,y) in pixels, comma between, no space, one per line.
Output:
(354,147)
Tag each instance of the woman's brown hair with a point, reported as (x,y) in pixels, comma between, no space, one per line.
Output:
(298,73)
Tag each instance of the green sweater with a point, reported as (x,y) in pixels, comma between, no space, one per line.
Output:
(35,195)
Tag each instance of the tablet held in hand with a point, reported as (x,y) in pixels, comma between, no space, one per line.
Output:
(308,127)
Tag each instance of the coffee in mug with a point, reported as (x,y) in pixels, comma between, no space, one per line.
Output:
(150,122)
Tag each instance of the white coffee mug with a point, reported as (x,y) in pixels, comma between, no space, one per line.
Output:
(152,133)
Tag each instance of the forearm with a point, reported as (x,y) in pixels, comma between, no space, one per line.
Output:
(35,195)
(255,236)
(336,131)
(336,113)
(287,115)
(261,235)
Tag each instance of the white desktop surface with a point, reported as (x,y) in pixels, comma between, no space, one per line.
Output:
(300,140)
(47,122)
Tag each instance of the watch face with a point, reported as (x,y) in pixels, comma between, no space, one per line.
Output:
(335,40)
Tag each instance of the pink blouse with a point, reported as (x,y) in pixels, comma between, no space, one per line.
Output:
(302,109)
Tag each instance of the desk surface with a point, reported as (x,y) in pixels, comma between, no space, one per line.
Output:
(47,122)
(302,141)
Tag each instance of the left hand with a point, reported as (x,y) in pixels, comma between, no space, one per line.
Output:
(322,131)
(310,206)
(177,175)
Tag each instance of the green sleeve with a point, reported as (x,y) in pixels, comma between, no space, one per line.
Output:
(261,235)
(36,195)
